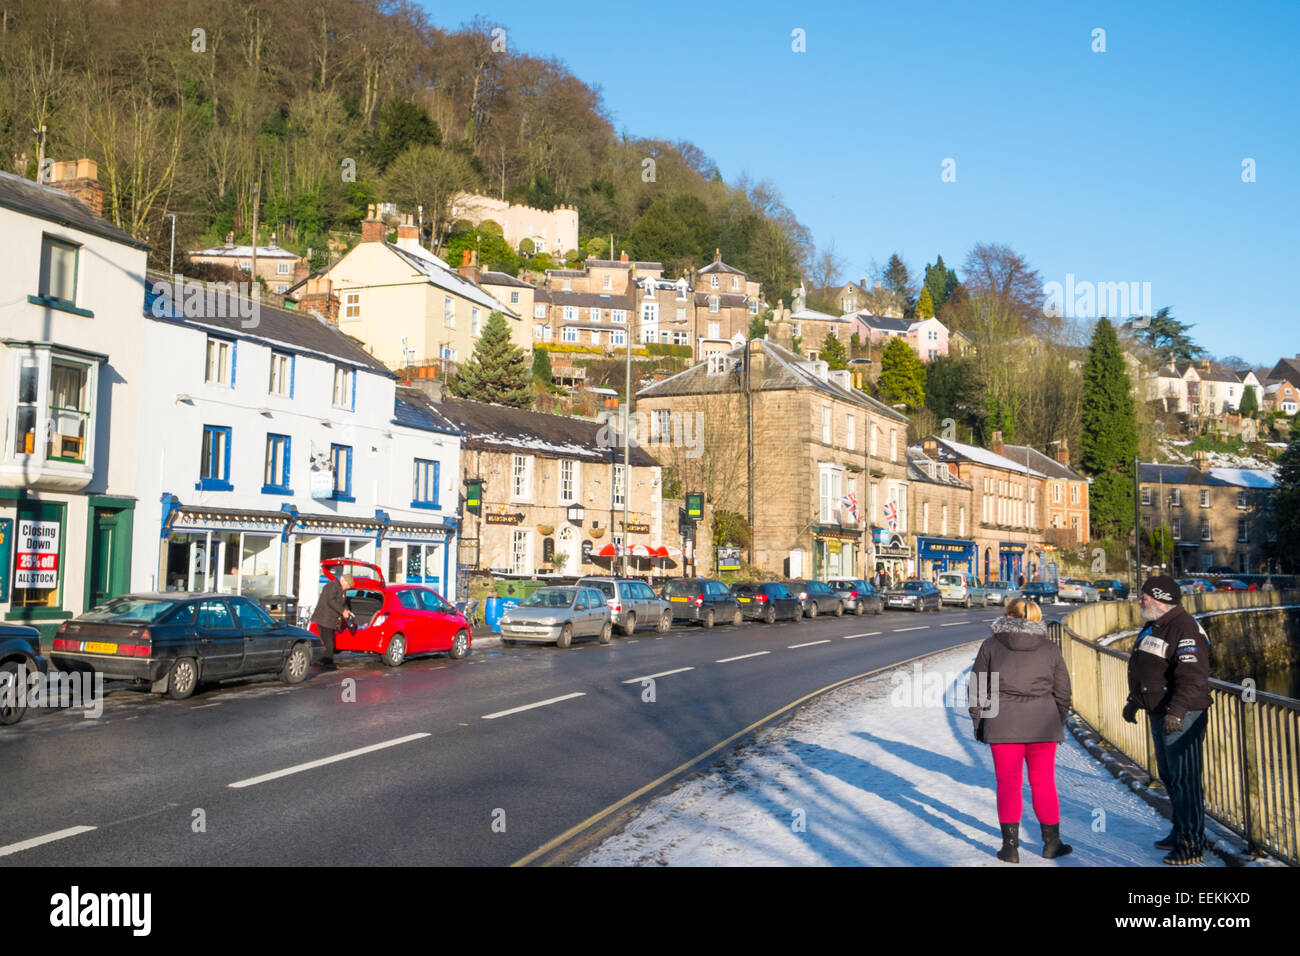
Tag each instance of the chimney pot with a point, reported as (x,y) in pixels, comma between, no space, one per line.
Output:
(80,179)
(996,446)
(622,256)
(372,227)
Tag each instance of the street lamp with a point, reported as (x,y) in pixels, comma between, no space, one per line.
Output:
(576,514)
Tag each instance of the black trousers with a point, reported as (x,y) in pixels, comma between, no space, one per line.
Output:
(327,638)
(1178,759)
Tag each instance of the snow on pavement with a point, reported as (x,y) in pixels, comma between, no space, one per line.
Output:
(862,776)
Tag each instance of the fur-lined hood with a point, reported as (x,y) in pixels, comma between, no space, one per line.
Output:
(1019,634)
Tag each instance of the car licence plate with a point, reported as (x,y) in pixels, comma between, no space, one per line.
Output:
(743,600)
(679,600)
(94,647)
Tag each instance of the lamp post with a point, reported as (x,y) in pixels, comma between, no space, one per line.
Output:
(171,263)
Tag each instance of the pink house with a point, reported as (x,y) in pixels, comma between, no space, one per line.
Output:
(927,337)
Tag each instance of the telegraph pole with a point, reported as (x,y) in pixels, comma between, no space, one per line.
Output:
(256,189)
(1137,528)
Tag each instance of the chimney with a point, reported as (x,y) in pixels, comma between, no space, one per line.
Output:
(996,445)
(717,254)
(622,256)
(230,240)
(864,283)
(931,446)
(1201,460)
(1063,453)
(301,269)
(408,234)
(432,387)
(272,241)
(80,179)
(1205,364)
(469,265)
(372,227)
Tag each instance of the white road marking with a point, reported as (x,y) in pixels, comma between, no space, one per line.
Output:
(637,680)
(809,644)
(742,657)
(40,840)
(953,624)
(540,703)
(324,761)
(849,637)
(924,627)
(633,640)
(206,706)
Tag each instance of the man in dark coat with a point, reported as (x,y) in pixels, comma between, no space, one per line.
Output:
(332,612)
(1169,678)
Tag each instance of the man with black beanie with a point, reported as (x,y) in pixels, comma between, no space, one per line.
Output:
(1169,678)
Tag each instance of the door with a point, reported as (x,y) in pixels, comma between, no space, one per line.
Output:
(566,552)
(221,643)
(103,528)
(265,644)
(438,626)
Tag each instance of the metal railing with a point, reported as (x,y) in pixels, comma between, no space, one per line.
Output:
(1252,740)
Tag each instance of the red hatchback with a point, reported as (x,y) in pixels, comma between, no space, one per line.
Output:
(395,620)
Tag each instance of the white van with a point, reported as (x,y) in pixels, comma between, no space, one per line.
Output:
(958,587)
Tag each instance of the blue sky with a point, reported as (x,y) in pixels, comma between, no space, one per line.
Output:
(1122,166)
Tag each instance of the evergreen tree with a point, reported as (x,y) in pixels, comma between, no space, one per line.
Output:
(941,281)
(498,371)
(403,124)
(1284,515)
(833,352)
(1109,434)
(899,281)
(796,344)
(925,307)
(542,368)
(1168,338)
(758,325)
(1249,404)
(902,375)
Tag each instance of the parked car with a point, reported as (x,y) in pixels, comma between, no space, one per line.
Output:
(631,603)
(858,596)
(20,654)
(1221,569)
(767,601)
(558,614)
(1077,590)
(396,620)
(1040,592)
(703,600)
(816,598)
(958,587)
(1232,584)
(175,641)
(1111,589)
(1195,585)
(1000,592)
(914,596)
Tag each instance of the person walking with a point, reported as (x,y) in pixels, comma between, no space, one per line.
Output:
(332,612)
(1020,697)
(1169,678)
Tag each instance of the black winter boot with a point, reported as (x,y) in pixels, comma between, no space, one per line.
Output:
(1010,852)
(1168,843)
(1052,845)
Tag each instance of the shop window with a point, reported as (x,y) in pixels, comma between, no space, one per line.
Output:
(424,484)
(214,462)
(275,479)
(38,556)
(341,464)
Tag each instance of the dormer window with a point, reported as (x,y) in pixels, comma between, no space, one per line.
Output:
(713,282)
(718,365)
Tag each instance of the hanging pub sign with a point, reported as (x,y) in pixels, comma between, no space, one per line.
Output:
(36,560)
(473,495)
(322,484)
(695,505)
(636,527)
(548,550)
(514,518)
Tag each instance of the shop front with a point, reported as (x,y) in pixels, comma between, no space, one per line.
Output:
(222,550)
(937,555)
(418,554)
(834,552)
(1011,561)
(893,555)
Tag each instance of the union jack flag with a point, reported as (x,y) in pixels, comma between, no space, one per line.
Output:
(891,514)
(850,503)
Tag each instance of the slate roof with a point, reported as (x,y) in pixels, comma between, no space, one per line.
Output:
(884,323)
(782,370)
(719,266)
(246,252)
(445,277)
(1046,464)
(957,451)
(501,278)
(1287,368)
(618,263)
(584,300)
(1216,477)
(726,300)
(414,409)
(285,329)
(498,428)
(812,315)
(56,206)
(918,470)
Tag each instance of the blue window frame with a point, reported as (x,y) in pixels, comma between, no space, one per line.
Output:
(214,459)
(341,461)
(275,480)
(424,484)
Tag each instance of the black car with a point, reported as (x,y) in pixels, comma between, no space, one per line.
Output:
(1111,589)
(914,596)
(703,600)
(767,602)
(1040,592)
(173,641)
(816,598)
(858,596)
(20,656)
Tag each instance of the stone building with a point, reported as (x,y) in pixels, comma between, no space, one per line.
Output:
(535,469)
(1065,493)
(941,517)
(829,462)
(278,268)
(551,231)
(1215,516)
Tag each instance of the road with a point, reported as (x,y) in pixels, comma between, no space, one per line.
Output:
(438,762)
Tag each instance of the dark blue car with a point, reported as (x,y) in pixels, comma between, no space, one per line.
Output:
(20,656)
(1040,592)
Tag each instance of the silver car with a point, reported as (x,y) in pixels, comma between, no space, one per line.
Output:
(1078,590)
(632,603)
(559,615)
(1000,592)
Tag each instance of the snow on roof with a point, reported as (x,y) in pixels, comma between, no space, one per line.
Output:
(985,457)
(444,277)
(246,252)
(1245,477)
